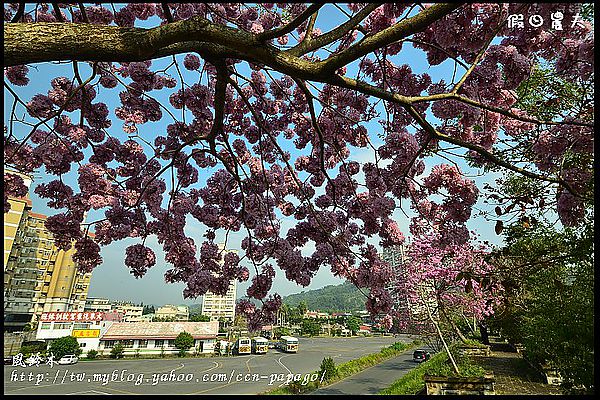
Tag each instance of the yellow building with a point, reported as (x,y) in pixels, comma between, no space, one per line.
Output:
(12,219)
(173,313)
(38,277)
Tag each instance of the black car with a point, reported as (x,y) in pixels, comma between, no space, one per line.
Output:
(421,355)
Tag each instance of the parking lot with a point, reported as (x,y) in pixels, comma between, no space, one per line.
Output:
(244,374)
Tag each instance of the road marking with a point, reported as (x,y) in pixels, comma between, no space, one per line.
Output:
(283,365)
(248,366)
(87,391)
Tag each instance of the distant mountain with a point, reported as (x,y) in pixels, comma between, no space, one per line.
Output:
(333,298)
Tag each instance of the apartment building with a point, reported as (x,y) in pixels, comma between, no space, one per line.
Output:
(216,306)
(12,220)
(131,312)
(97,304)
(38,276)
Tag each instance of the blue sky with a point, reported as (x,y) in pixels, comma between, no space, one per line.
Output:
(112,279)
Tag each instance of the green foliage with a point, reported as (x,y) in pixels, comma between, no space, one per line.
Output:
(439,364)
(333,298)
(550,298)
(310,327)
(92,354)
(148,310)
(353,323)
(281,331)
(199,318)
(32,347)
(63,346)
(328,369)
(117,351)
(183,342)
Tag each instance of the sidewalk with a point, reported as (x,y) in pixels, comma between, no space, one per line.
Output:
(512,373)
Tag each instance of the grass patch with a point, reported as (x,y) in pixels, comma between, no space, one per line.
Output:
(439,364)
(346,369)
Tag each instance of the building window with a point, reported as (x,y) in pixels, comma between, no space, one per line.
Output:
(171,343)
(128,344)
(142,344)
(82,344)
(159,342)
(45,325)
(59,325)
(109,343)
(81,326)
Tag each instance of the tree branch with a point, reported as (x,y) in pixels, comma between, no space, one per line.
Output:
(290,26)
(334,34)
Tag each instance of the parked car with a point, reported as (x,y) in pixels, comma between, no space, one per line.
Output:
(68,359)
(421,355)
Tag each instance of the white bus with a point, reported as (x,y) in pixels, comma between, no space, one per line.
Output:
(260,345)
(242,346)
(289,344)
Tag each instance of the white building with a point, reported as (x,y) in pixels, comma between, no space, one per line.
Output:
(216,306)
(97,304)
(174,313)
(86,326)
(130,312)
(158,337)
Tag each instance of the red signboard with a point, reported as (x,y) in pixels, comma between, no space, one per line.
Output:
(59,316)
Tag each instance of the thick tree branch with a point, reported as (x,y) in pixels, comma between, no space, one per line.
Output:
(390,35)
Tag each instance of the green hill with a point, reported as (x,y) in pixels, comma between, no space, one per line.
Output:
(333,298)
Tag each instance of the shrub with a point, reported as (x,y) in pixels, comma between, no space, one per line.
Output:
(92,354)
(328,369)
(117,351)
(32,347)
(64,345)
(183,342)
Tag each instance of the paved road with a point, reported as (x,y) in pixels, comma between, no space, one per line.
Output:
(373,379)
(249,374)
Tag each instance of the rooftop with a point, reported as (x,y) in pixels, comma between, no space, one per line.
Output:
(161,330)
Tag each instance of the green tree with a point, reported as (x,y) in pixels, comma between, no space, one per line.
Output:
(549,301)
(63,346)
(302,308)
(34,346)
(328,369)
(199,318)
(310,327)
(353,323)
(281,331)
(184,341)
(148,309)
(118,351)
(547,267)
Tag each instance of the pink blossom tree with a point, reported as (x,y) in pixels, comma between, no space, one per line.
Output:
(279,102)
(439,283)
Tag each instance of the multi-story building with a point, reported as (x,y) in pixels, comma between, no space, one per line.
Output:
(38,276)
(12,220)
(397,258)
(131,312)
(215,306)
(97,304)
(173,313)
